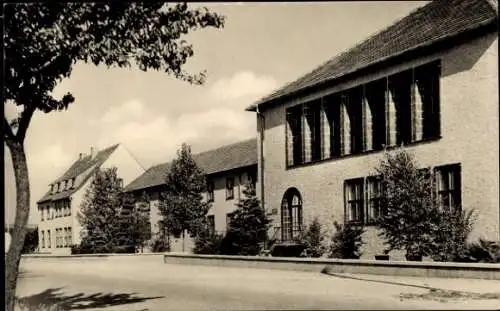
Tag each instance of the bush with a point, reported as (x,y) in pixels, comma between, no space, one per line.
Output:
(311,238)
(450,237)
(124,249)
(247,230)
(483,251)
(347,241)
(208,242)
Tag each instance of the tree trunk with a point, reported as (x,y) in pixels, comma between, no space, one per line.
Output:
(183,239)
(20,225)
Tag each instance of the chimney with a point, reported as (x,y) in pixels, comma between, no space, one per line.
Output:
(92,152)
(80,156)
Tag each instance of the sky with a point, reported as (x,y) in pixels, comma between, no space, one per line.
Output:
(261,47)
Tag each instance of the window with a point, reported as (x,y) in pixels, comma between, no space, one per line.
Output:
(229,188)
(291,215)
(399,109)
(210,191)
(449,188)
(43,239)
(70,237)
(57,238)
(331,106)
(375,115)
(211,223)
(354,200)
(294,135)
(69,208)
(374,197)
(312,135)
(427,101)
(49,240)
(42,213)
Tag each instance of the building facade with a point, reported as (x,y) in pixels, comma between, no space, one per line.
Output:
(59,228)
(228,169)
(428,82)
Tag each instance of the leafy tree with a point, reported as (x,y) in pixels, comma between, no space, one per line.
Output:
(347,241)
(100,212)
(410,219)
(207,241)
(42,43)
(312,239)
(31,241)
(450,238)
(136,227)
(247,227)
(183,207)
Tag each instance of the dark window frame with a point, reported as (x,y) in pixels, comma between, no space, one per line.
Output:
(359,201)
(455,194)
(210,191)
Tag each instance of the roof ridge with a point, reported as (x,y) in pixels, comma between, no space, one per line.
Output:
(346,50)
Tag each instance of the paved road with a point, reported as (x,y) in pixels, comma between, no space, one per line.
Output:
(152,285)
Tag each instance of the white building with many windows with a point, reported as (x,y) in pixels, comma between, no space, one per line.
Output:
(59,228)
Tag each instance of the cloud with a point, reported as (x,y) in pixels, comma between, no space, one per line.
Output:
(156,138)
(243,85)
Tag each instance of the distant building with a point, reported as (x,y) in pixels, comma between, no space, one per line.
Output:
(228,169)
(429,81)
(59,227)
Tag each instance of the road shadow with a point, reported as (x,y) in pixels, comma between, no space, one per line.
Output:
(56,300)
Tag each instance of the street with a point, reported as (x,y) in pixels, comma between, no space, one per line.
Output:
(152,285)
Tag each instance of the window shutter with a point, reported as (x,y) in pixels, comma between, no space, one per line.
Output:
(416,112)
(345,141)
(325,135)
(390,117)
(306,142)
(367,125)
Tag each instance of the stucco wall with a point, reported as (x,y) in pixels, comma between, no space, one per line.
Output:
(469,129)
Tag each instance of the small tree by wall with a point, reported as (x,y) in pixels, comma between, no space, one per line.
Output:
(413,220)
(182,205)
(248,226)
(312,238)
(347,241)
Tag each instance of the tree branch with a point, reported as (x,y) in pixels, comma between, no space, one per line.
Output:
(24,122)
(8,134)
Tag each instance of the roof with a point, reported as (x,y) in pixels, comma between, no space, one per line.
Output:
(79,167)
(229,157)
(429,24)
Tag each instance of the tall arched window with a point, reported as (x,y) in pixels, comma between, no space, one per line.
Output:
(291,215)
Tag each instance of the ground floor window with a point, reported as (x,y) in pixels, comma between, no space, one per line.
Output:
(354,194)
(449,186)
(291,215)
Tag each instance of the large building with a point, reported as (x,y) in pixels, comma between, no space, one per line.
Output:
(59,227)
(428,81)
(228,169)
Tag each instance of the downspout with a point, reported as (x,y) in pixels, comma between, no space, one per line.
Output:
(261,123)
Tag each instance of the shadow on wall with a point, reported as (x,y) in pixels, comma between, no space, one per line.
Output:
(58,300)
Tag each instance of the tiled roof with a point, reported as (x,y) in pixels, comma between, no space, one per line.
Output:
(434,22)
(222,159)
(79,167)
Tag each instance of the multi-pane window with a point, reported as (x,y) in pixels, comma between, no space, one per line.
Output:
(43,239)
(42,213)
(294,135)
(374,198)
(229,188)
(399,109)
(291,215)
(211,223)
(354,199)
(449,186)
(57,238)
(210,191)
(49,239)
